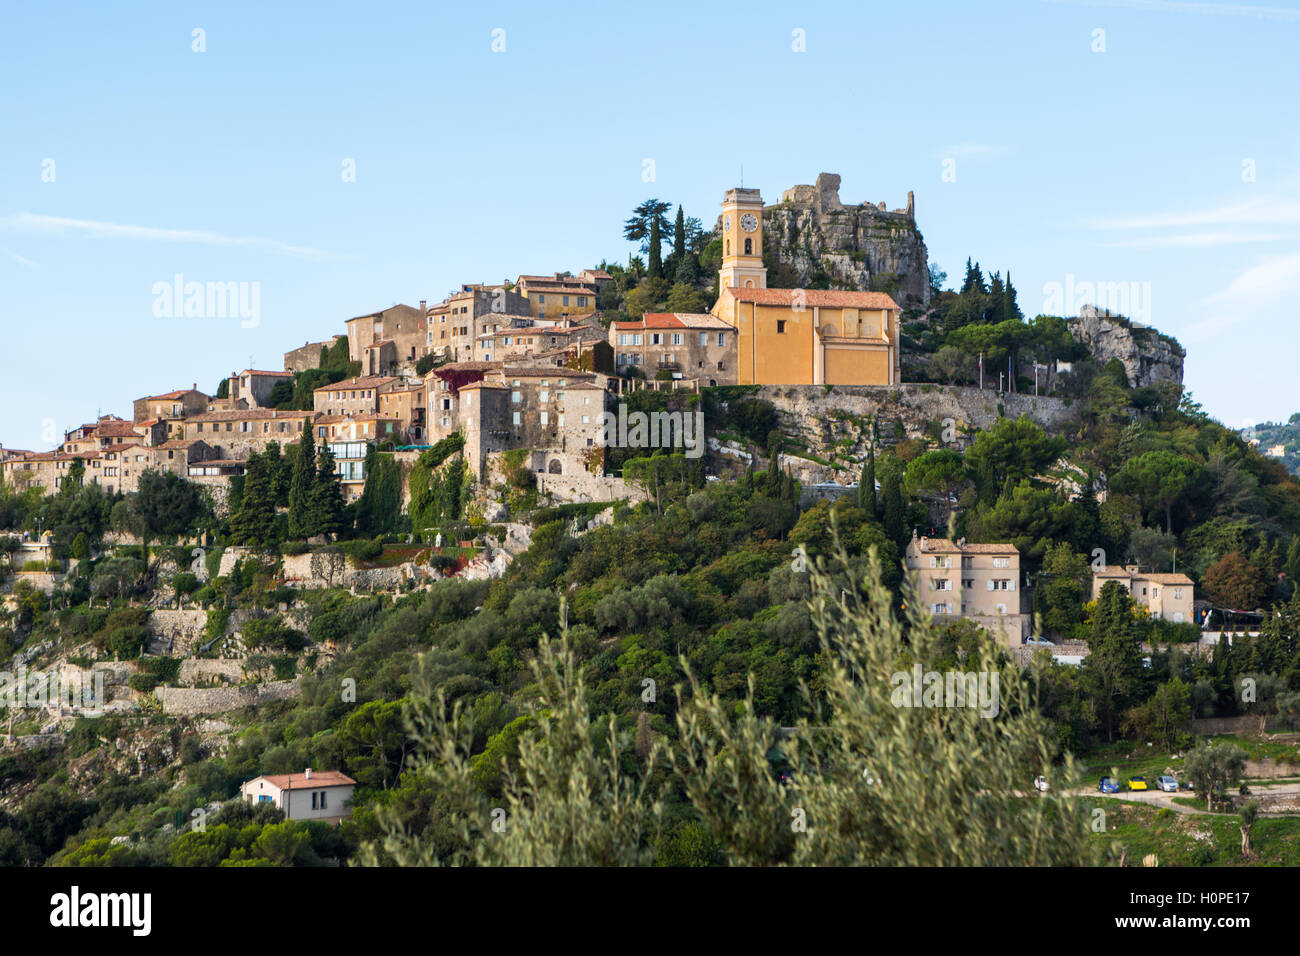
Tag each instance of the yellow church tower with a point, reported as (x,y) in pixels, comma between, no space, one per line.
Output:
(742,241)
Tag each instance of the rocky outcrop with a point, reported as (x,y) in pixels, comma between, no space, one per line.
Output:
(830,428)
(828,245)
(1148,356)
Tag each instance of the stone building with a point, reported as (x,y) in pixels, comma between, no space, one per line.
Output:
(515,342)
(405,405)
(980,582)
(454,325)
(353,396)
(308,355)
(252,388)
(387,341)
(558,295)
(235,435)
(176,405)
(500,407)
(1167,597)
(678,344)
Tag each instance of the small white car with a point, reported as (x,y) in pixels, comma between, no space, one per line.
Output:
(1040,784)
(1167,784)
(1039,642)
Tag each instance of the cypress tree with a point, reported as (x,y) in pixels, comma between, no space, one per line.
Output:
(893,518)
(326,509)
(300,486)
(655,267)
(679,236)
(867,484)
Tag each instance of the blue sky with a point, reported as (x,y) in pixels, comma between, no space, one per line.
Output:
(1128,164)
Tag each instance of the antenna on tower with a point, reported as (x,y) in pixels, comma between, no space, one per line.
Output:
(742,175)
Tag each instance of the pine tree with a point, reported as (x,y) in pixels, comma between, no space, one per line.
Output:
(326,511)
(655,267)
(997,299)
(300,486)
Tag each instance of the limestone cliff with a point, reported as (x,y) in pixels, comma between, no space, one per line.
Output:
(1148,356)
(826,245)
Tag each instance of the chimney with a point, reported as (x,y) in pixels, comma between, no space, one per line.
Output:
(422,308)
(309,773)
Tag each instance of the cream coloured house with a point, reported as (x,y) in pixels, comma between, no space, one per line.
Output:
(980,582)
(304,796)
(1165,596)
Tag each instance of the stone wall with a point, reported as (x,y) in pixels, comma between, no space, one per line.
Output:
(215,700)
(584,486)
(174,632)
(197,668)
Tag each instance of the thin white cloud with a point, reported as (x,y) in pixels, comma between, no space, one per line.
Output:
(36,222)
(1264,282)
(1196,239)
(975,152)
(1251,11)
(1264,211)
(23,260)
(1254,293)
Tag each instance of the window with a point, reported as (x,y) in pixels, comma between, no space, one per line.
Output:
(624,339)
(586,419)
(559,420)
(517,418)
(1178,594)
(749,247)
(704,339)
(1002,609)
(636,338)
(940,584)
(543,396)
(656,339)
(677,338)
(566,300)
(939,608)
(545,418)
(999,562)
(541,299)
(516,397)
(780,326)
(582,300)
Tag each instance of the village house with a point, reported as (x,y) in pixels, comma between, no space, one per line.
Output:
(171,406)
(798,336)
(353,396)
(47,469)
(979,582)
(313,795)
(387,341)
(558,295)
(455,324)
(511,343)
(558,412)
(405,405)
(1167,597)
(237,434)
(679,345)
(252,388)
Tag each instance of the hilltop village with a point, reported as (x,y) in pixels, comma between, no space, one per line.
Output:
(530,380)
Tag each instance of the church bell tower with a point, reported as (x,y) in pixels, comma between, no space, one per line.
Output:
(742,240)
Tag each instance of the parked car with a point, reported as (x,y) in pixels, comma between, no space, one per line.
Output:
(1039,642)
(1040,784)
(1167,784)
(1107,785)
(1186,785)
(1137,783)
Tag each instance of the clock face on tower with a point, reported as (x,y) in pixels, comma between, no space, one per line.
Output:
(748,222)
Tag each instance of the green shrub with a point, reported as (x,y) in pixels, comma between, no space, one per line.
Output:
(143,682)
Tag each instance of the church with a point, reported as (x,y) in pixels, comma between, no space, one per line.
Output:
(798,336)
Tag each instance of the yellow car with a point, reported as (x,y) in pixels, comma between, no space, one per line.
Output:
(1137,783)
